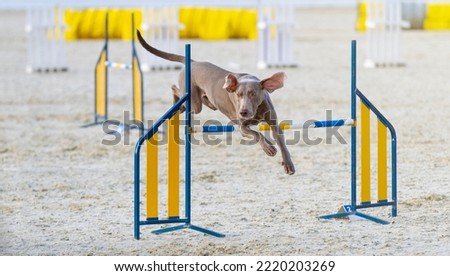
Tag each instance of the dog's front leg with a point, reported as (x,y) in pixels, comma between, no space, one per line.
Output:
(268,148)
(279,138)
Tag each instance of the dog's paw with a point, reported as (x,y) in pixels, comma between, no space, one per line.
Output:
(182,109)
(269,149)
(288,167)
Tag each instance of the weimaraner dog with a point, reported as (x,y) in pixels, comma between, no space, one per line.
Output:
(243,98)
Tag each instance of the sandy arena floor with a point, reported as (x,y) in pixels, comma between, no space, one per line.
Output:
(64,193)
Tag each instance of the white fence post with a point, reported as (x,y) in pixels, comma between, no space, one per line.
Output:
(45,38)
(384,23)
(160,27)
(276,27)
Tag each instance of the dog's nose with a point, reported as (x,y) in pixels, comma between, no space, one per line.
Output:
(244,112)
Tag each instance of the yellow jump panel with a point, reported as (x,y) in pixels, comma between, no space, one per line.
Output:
(382,162)
(137,90)
(365,154)
(173,166)
(100,86)
(152,177)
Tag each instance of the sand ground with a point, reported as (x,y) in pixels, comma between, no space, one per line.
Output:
(65,193)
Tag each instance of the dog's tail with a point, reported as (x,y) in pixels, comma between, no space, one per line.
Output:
(159,53)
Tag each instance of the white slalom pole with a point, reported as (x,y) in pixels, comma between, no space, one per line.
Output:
(276,34)
(160,27)
(384,23)
(45,39)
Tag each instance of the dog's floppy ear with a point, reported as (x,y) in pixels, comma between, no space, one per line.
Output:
(273,83)
(231,83)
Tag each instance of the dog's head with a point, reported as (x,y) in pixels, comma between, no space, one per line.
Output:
(250,91)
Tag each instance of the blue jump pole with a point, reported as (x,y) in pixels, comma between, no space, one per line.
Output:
(188,148)
(353,130)
(187,158)
(353,158)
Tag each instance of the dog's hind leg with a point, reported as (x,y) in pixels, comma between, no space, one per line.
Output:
(176,93)
(206,102)
(196,101)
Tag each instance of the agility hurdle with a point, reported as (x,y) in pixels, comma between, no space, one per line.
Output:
(384,23)
(276,35)
(101,80)
(160,26)
(150,139)
(361,165)
(45,39)
(384,198)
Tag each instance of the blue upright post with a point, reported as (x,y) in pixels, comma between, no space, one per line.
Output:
(353,163)
(394,170)
(187,81)
(136,192)
(353,129)
(188,148)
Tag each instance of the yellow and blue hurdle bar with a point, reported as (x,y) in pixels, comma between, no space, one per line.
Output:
(173,205)
(265,127)
(101,81)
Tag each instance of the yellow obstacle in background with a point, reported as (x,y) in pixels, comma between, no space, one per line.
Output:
(362,17)
(198,22)
(437,16)
(88,23)
(218,23)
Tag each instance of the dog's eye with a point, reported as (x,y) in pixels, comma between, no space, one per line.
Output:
(240,94)
(251,93)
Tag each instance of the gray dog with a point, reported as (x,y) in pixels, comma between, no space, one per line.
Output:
(243,98)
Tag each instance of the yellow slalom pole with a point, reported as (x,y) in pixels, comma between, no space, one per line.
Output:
(100,85)
(365,154)
(137,90)
(382,162)
(152,177)
(173,170)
